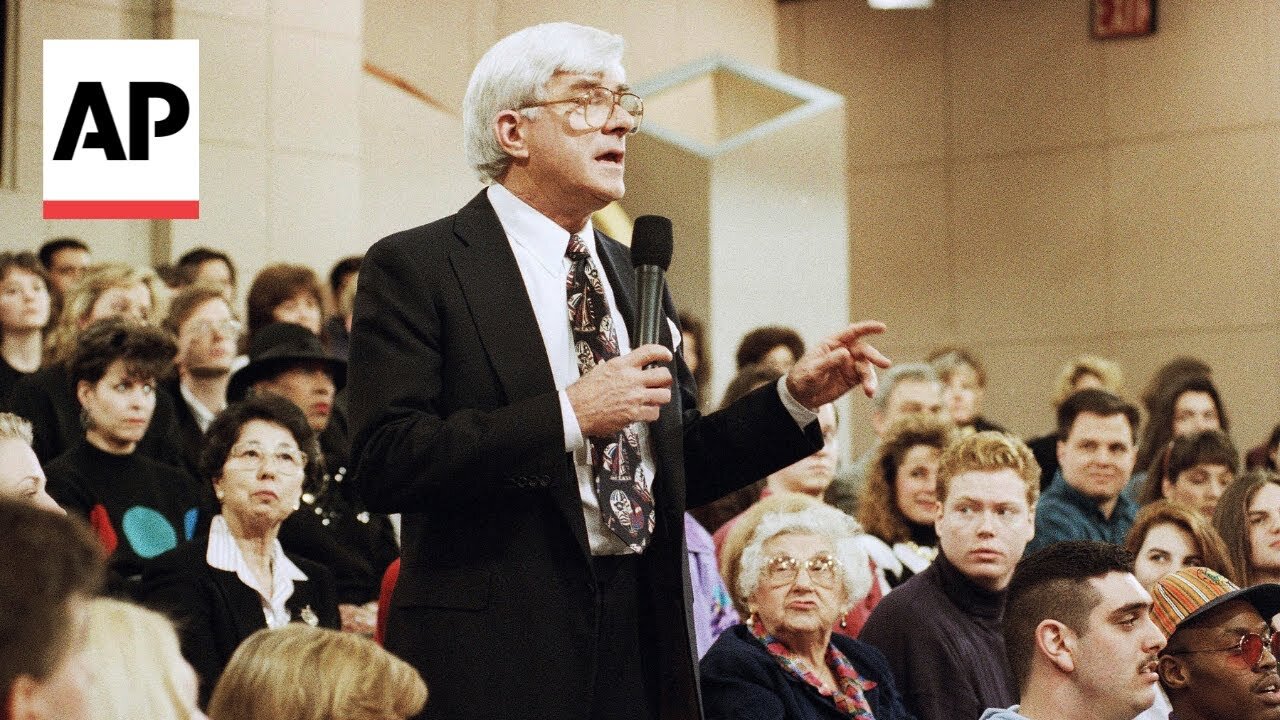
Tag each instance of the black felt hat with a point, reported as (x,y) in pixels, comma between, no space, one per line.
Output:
(277,347)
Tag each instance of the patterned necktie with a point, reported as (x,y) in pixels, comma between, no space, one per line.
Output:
(626,505)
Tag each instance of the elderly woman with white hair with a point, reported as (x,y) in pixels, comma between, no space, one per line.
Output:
(798,575)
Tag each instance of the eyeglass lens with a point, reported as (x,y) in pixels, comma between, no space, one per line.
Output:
(1251,646)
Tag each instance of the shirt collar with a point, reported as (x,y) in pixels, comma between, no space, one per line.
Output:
(1089,506)
(536,233)
(203,415)
(224,554)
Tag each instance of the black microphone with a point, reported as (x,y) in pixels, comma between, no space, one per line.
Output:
(651,246)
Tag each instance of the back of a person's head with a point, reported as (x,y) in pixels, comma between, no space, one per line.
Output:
(298,672)
(139,671)
(47,562)
(1053,584)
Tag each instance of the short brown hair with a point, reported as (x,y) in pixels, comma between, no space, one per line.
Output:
(80,299)
(272,676)
(878,509)
(1095,402)
(48,561)
(147,351)
(187,300)
(275,284)
(757,343)
(1213,552)
(986,451)
(947,360)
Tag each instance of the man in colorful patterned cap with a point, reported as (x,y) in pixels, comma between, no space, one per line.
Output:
(1220,661)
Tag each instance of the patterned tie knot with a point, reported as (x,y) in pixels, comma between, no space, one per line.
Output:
(577,249)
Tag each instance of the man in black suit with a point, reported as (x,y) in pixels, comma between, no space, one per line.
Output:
(500,422)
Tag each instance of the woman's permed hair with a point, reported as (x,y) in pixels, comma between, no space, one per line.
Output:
(137,660)
(816,519)
(60,343)
(225,429)
(878,509)
(273,676)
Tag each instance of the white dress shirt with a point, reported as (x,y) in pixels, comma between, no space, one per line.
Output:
(539,245)
(224,554)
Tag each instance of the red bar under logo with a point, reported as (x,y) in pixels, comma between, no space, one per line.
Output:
(121,209)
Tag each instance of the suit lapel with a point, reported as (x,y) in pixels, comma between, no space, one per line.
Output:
(499,304)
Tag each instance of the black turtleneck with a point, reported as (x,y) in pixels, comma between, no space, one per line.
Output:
(138,507)
(941,634)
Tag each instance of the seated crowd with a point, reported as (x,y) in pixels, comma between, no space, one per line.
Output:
(183,533)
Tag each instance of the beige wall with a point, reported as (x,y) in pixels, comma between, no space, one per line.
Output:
(1021,188)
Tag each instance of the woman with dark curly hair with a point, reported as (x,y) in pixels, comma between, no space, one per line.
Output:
(900,501)
(239,579)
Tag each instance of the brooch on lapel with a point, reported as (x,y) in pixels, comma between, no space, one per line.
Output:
(308,616)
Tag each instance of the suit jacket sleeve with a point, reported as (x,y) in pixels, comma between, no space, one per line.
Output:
(413,445)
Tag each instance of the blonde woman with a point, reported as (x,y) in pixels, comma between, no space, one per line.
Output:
(47,398)
(138,671)
(272,676)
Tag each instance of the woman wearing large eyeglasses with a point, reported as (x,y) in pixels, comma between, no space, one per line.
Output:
(239,579)
(798,575)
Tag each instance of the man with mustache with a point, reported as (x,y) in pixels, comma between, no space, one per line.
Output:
(1079,635)
(1220,660)
(941,630)
(1097,448)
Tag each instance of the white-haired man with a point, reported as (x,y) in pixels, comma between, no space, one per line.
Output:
(539,461)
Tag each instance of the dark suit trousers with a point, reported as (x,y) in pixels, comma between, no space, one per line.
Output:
(625,686)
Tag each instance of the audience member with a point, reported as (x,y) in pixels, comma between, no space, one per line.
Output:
(1167,537)
(852,621)
(272,676)
(1220,660)
(139,506)
(1193,469)
(207,331)
(1079,373)
(214,267)
(1096,455)
(715,514)
(711,606)
(693,348)
(1190,405)
(289,361)
(48,397)
(1267,455)
(942,629)
(24,313)
(21,477)
(239,579)
(285,293)
(775,346)
(65,259)
(904,390)
(964,386)
(49,568)
(1171,373)
(799,573)
(1248,521)
(900,503)
(809,476)
(138,670)
(342,283)
(1079,636)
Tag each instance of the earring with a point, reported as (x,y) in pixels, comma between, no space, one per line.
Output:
(844,621)
(218,494)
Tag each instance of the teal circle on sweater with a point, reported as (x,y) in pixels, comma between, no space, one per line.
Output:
(148,532)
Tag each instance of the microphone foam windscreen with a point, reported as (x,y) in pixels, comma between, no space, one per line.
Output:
(651,242)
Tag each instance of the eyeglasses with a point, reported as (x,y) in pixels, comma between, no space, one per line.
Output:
(229,326)
(1249,647)
(823,570)
(597,106)
(252,456)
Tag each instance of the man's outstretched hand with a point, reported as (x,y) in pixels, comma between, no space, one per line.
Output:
(837,365)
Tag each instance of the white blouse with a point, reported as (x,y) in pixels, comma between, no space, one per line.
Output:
(224,554)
